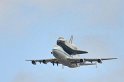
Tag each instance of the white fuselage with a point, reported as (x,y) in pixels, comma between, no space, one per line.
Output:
(62,57)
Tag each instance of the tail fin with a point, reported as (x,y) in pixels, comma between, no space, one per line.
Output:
(71,39)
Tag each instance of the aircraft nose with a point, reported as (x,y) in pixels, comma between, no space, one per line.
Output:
(55,53)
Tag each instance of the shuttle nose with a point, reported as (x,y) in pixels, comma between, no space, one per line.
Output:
(60,42)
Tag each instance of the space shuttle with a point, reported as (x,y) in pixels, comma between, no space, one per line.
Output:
(69,47)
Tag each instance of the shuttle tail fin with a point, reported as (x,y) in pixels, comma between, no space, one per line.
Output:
(71,39)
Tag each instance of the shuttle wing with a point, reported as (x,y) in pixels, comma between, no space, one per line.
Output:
(80,52)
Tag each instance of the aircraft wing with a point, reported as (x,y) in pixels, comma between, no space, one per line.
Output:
(45,61)
(79,60)
(84,64)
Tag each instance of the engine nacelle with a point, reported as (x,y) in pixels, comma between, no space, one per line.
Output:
(33,62)
(44,61)
(81,60)
(51,52)
(99,61)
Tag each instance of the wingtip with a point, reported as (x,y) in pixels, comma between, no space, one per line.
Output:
(27,60)
(114,58)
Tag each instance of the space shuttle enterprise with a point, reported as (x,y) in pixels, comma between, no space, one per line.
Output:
(69,47)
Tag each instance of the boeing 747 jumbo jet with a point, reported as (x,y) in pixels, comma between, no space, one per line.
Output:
(67,54)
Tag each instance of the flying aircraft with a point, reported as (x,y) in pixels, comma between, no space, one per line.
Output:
(67,54)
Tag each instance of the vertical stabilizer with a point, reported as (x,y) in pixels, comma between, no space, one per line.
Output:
(71,39)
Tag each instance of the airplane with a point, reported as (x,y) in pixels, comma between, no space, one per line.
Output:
(67,54)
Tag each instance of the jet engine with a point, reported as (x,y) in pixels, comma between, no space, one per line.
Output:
(99,61)
(33,62)
(44,61)
(81,60)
